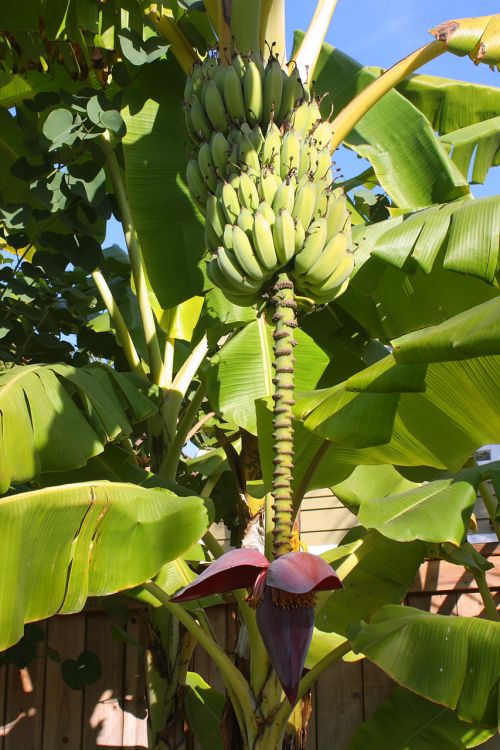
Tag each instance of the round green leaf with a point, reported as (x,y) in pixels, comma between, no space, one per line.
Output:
(57,124)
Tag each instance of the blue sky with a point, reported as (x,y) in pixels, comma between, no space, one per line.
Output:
(384,31)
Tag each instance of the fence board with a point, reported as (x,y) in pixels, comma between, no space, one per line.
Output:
(24,705)
(64,706)
(3,698)
(377,687)
(135,727)
(103,714)
(339,693)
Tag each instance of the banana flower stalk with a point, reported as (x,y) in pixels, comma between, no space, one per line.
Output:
(282,592)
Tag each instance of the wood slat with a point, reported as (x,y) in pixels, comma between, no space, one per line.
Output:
(24,711)
(63,706)
(470,604)
(326,519)
(3,697)
(377,687)
(312,730)
(339,704)
(103,713)
(438,604)
(135,718)
(439,576)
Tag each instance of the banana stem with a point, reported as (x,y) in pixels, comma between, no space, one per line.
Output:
(490,608)
(169,464)
(180,46)
(308,52)
(491,506)
(147,317)
(238,688)
(245,24)
(122,333)
(284,321)
(359,106)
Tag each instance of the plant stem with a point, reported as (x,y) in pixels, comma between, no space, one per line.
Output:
(236,684)
(359,106)
(169,464)
(490,607)
(491,506)
(147,317)
(118,323)
(168,363)
(180,45)
(308,52)
(245,22)
(175,395)
(284,321)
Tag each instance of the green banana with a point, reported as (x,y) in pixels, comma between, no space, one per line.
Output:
(195,182)
(220,153)
(201,125)
(231,291)
(214,106)
(252,93)
(336,278)
(212,241)
(239,65)
(305,200)
(230,202)
(300,236)
(284,236)
(243,251)
(268,185)
(292,93)
(245,221)
(263,242)
(207,167)
(219,76)
(197,78)
(243,300)
(233,96)
(215,216)
(267,212)
(308,158)
(257,138)
(271,148)
(231,270)
(313,245)
(337,214)
(273,89)
(332,256)
(247,192)
(227,237)
(248,156)
(322,134)
(324,165)
(289,153)
(304,118)
(285,195)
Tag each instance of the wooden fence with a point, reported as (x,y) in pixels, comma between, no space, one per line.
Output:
(39,712)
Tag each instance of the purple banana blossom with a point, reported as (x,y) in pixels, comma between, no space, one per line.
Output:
(283,594)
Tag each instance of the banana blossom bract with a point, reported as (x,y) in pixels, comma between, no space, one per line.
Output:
(283,594)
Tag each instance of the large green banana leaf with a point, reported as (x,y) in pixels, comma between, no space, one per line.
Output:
(449,104)
(406,154)
(468,232)
(437,428)
(408,721)
(478,144)
(156,151)
(375,571)
(436,512)
(242,372)
(56,417)
(60,545)
(460,337)
(454,661)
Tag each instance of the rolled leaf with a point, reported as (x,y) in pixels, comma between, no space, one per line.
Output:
(477,37)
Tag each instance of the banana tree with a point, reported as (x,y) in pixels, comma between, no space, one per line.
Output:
(277,245)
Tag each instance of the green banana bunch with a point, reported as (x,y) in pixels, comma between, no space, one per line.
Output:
(261,174)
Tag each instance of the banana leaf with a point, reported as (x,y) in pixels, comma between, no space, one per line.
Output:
(398,140)
(56,417)
(169,227)
(460,337)
(478,145)
(406,720)
(447,103)
(453,661)
(478,37)
(242,372)
(60,545)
